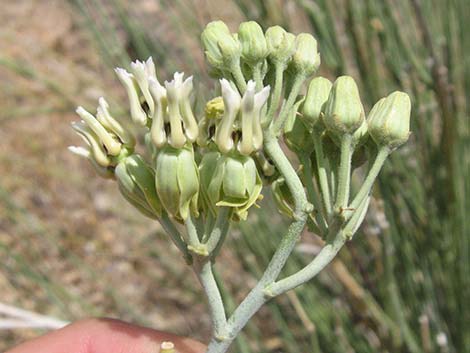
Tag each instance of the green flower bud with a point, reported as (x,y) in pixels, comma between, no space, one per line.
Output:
(317,95)
(253,42)
(344,112)
(306,58)
(281,45)
(296,134)
(230,180)
(177,181)
(282,197)
(389,120)
(221,47)
(136,181)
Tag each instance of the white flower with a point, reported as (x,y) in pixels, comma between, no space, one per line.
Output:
(248,109)
(232,102)
(137,113)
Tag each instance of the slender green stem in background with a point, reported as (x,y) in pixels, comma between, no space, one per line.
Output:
(220,228)
(379,161)
(293,94)
(312,194)
(322,166)
(256,298)
(175,236)
(237,74)
(214,298)
(276,93)
(344,175)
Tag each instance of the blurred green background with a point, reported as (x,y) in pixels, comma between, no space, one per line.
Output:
(70,247)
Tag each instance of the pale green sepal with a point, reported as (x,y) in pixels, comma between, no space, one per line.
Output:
(281,45)
(253,42)
(317,95)
(144,177)
(344,112)
(306,59)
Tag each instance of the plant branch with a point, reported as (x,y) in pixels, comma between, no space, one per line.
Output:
(256,298)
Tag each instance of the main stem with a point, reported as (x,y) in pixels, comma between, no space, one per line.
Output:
(256,298)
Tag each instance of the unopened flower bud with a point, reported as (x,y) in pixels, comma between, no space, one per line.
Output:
(220,46)
(177,180)
(253,42)
(389,120)
(230,180)
(136,181)
(281,45)
(344,112)
(306,58)
(317,95)
(137,112)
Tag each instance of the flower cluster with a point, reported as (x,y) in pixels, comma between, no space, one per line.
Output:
(201,170)
(200,162)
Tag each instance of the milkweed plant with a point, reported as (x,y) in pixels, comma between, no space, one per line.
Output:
(203,172)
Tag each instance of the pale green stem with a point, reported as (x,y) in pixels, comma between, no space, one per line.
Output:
(193,238)
(364,191)
(220,228)
(256,298)
(214,298)
(324,257)
(175,236)
(275,94)
(356,219)
(322,167)
(296,86)
(344,175)
(238,77)
(257,76)
(312,194)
